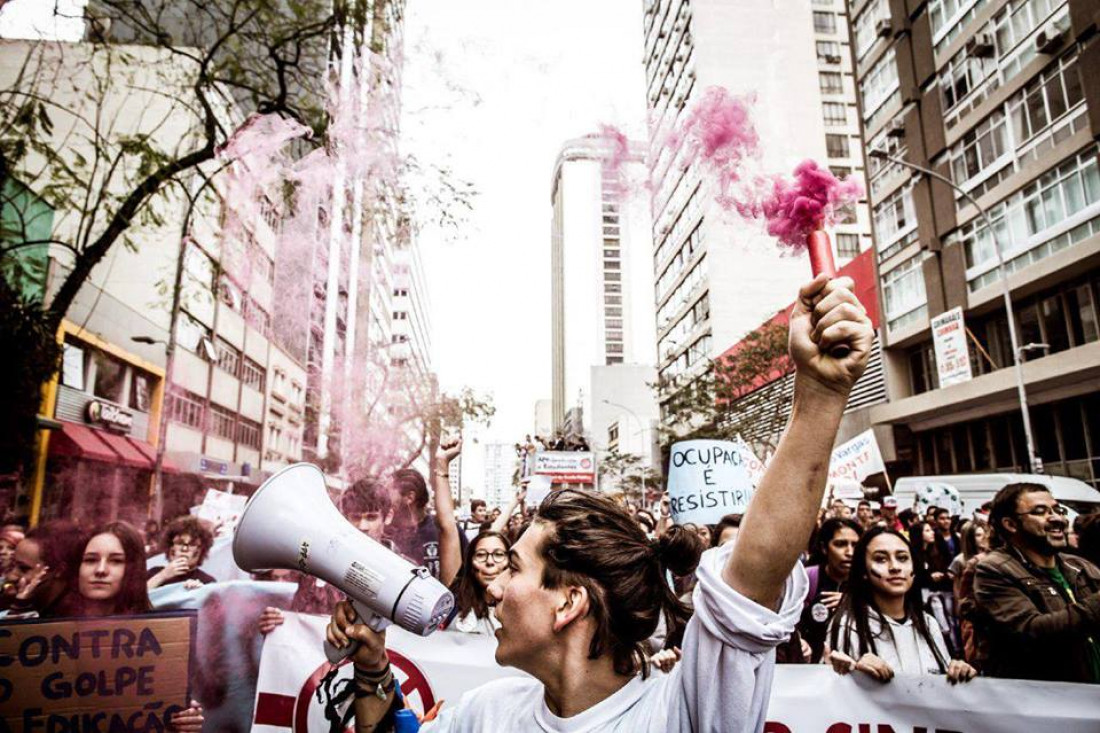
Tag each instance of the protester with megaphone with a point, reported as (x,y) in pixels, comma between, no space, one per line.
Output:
(584,586)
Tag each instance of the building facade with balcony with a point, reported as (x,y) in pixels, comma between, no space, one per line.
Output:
(997,96)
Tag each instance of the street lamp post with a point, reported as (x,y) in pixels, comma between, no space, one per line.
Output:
(641,430)
(1034,462)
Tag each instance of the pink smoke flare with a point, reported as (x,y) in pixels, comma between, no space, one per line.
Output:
(794,208)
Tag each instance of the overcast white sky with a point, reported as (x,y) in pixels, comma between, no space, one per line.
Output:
(535,73)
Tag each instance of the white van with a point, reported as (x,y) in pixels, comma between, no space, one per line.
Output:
(976,489)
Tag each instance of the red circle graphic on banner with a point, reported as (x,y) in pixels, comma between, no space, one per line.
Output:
(414,683)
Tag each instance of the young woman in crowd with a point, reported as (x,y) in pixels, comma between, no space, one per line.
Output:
(109,580)
(486,558)
(186,544)
(10,537)
(881,627)
(975,544)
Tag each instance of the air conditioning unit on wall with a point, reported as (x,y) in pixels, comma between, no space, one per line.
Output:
(980,46)
(1049,39)
(883,29)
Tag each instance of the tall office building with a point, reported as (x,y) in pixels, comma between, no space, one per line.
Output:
(500,467)
(840,114)
(601,278)
(717,277)
(998,97)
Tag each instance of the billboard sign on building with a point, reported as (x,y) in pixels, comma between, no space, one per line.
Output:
(952,354)
(566,467)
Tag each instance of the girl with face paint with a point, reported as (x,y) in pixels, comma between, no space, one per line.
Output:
(881,628)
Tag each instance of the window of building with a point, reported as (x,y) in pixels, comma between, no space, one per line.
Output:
(110,376)
(880,84)
(1045,100)
(895,220)
(613,432)
(613,299)
(612,287)
(229,358)
(222,422)
(831,82)
(836,113)
(248,433)
(186,408)
(903,293)
(611,253)
(612,265)
(614,348)
(840,171)
(836,146)
(1060,208)
(141,390)
(252,374)
(847,245)
(866,25)
(824,22)
(189,332)
(72,366)
(616,276)
(613,360)
(980,150)
(828,51)
(613,312)
(400,316)
(613,323)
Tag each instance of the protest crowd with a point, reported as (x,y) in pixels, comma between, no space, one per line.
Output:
(599,597)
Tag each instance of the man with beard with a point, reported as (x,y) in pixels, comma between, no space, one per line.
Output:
(1038,608)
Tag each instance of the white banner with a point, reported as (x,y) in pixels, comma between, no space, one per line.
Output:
(814,699)
(805,698)
(708,479)
(290,694)
(573,467)
(949,342)
(857,459)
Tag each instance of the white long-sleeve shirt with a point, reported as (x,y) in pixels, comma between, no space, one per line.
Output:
(722,683)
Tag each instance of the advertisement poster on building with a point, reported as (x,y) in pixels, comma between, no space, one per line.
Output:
(952,354)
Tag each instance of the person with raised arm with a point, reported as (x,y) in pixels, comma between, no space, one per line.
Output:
(584,587)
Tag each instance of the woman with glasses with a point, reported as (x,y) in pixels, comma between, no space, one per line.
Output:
(486,558)
(186,544)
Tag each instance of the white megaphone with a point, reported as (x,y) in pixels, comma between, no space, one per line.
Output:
(291,523)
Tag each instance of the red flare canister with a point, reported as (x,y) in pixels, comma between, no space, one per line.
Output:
(821,262)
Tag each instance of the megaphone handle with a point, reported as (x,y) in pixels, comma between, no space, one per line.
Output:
(373,621)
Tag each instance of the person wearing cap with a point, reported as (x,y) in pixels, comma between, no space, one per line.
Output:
(890,513)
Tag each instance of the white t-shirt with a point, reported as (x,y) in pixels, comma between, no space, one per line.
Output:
(899,645)
(722,683)
(471,624)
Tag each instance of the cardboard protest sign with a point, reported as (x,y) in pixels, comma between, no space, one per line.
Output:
(708,479)
(112,673)
(221,507)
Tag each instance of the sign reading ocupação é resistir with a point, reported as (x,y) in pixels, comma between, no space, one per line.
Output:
(708,479)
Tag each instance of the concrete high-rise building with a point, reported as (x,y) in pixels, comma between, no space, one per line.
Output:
(500,467)
(601,277)
(1003,98)
(716,276)
(840,114)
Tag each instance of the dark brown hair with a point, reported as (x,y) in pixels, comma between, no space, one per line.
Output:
(133,596)
(409,481)
(1004,506)
(469,595)
(592,542)
(191,526)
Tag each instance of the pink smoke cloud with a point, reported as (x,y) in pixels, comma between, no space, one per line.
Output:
(719,132)
(792,208)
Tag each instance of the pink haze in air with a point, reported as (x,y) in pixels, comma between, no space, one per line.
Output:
(794,207)
(719,132)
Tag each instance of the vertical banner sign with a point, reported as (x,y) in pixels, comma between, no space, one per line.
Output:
(708,479)
(857,459)
(952,354)
(124,673)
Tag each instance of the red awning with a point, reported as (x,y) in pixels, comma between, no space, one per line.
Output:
(151,454)
(126,450)
(78,441)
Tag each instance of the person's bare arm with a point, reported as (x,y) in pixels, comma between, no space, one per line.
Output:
(450,544)
(780,517)
(501,522)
